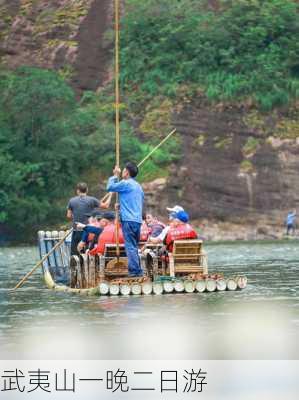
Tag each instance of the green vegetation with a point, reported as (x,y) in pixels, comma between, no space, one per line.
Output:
(246,167)
(251,146)
(48,140)
(244,49)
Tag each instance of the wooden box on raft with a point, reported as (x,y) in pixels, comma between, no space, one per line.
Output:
(186,260)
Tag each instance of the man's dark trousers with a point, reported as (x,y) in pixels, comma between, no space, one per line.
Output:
(76,238)
(131,232)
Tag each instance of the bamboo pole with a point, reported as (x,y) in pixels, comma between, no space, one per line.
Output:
(43,259)
(157,147)
(117,125)
(145,159)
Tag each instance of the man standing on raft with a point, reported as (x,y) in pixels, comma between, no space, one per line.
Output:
(131,199)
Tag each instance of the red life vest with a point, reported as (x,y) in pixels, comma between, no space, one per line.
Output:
(107,237)
(180,232)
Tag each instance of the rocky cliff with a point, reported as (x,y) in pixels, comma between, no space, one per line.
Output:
(239,168)
(67,35)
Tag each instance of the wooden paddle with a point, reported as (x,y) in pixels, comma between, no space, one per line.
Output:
(43,259)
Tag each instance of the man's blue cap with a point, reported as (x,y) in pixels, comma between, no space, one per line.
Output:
(183,216)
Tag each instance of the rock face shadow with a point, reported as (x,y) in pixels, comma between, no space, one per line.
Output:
(93,54)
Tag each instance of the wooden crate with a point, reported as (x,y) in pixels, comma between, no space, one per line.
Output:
(187,257)
(110,254)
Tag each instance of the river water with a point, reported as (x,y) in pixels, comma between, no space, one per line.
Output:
(260,322)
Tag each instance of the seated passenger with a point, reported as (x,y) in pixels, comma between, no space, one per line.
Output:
(155,226)
(108,236)
(92,230)
(178,229)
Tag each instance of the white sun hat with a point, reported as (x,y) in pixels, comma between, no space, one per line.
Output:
(175,209)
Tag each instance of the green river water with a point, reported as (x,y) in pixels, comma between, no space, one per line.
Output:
(260,322)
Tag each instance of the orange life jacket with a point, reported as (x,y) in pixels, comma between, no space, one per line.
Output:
(180,232)
(108,236)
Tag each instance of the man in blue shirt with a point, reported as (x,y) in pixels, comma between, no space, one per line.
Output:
(131,199)
(291,222)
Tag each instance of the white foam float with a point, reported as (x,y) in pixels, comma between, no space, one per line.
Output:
(231,284)
(168,287)
(189,286)
(114,289)
(241,282)
(136,289)
(157,288)
(125,289)
(147,288)
(221,285)
(104,288)
(200,285)
(211,285)
(179,286)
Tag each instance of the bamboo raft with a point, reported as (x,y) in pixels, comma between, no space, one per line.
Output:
(185,270)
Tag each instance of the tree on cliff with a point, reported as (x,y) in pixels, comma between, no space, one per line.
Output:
(47,140)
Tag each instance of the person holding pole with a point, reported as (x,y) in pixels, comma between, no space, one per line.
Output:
(131,198)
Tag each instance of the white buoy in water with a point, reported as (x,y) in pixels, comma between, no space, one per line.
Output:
(168,287)
(157,288)
(125,289)
(179,286)
(231,284)
(136,288)
(200,285)
(114,289)
(189,286)
(104,288)
(221,285)
(211,285)
(241,282)
(147,287)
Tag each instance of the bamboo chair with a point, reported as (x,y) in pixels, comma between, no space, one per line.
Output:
(187,257)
